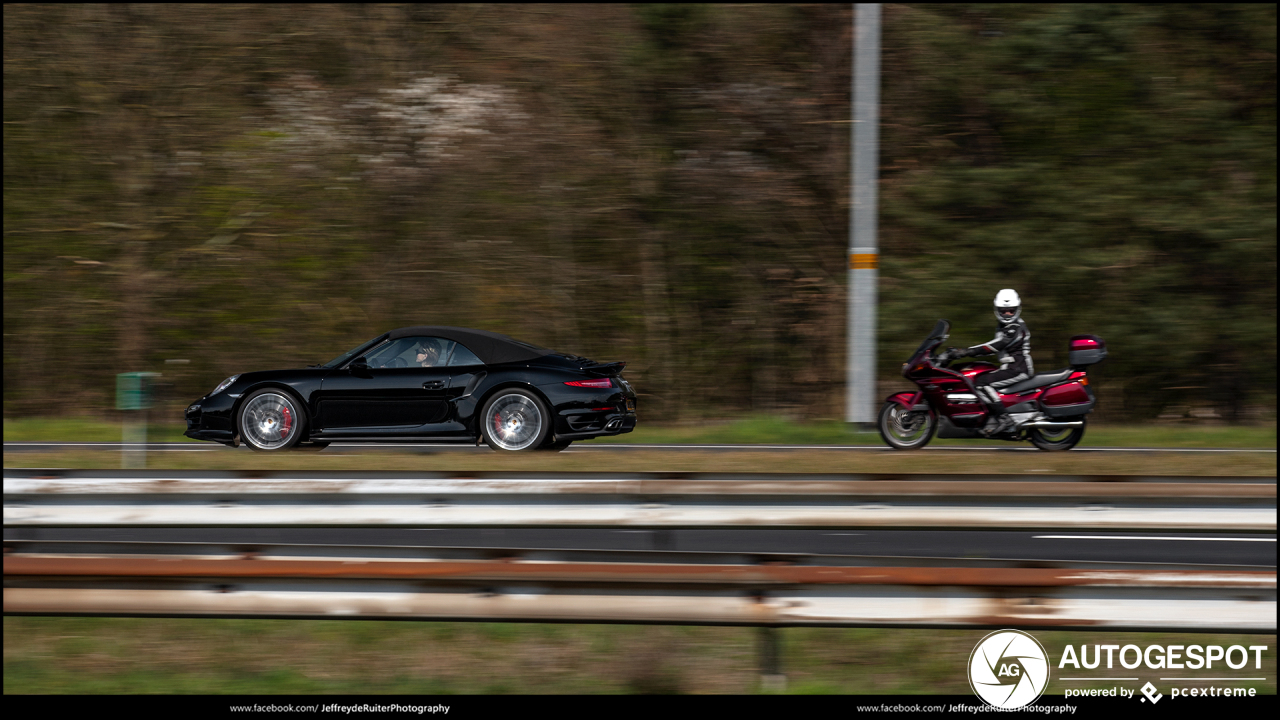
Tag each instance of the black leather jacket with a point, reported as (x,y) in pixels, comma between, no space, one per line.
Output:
(1012,343)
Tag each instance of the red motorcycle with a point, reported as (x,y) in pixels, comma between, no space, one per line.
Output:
(1048,409)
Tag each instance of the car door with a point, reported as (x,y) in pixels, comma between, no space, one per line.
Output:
(392,394)
(465,371)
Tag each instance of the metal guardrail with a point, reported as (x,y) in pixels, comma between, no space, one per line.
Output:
(155,499)
(1239,601)
(337,582)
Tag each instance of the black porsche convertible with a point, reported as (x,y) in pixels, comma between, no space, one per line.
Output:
(415,383)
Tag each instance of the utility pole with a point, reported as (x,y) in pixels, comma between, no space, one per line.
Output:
(864,252)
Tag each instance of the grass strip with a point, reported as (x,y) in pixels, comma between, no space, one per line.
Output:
(57,655)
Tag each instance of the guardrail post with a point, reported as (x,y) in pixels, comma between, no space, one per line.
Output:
(771,677)
(133,450)
(134,393)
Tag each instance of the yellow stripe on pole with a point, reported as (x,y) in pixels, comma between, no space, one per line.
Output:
(864,261)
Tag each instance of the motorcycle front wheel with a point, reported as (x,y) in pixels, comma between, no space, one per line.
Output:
(1052,440)
(904,429)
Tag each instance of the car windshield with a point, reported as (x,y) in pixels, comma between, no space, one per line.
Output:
(351,353)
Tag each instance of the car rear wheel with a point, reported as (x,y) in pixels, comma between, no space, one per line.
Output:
(269,420)
(514,421)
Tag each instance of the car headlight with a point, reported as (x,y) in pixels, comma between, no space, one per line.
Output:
(224,384)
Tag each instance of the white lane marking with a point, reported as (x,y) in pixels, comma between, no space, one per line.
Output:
(1137,537)
(401,444)
(627,446)
(135,448)
(1199,678)
(98,444)
(1134,678)
(940,448)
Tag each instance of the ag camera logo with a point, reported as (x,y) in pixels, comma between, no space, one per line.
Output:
(1008,669)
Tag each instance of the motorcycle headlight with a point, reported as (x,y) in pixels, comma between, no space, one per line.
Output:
(224,385)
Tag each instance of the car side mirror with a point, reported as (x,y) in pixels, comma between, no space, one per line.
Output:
(359,364)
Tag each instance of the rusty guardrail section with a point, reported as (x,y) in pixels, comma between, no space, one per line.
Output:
(782,595)
(543,571)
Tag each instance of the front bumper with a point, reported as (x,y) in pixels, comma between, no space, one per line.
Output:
(210,419)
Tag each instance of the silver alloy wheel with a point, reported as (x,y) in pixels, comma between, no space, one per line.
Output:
(905,429)
(269,421)
(1055,435)
(1056,439)
(514,422)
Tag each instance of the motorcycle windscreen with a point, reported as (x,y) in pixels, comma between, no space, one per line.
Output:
(940,332)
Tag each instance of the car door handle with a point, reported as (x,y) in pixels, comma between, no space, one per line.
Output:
(433,384)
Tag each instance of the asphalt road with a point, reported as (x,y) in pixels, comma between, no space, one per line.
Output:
(425,448)
(860,547)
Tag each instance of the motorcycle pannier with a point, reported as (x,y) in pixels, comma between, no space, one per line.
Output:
(1086,350)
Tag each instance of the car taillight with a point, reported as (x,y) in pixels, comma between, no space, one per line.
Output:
(600,383)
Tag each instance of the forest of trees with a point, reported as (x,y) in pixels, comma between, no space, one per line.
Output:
(257,186)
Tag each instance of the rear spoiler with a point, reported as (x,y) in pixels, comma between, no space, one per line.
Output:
(613,369)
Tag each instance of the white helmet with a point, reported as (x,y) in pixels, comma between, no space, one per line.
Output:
(1008,306)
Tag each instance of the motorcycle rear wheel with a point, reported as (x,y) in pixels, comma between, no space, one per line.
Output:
(1056,440)
(904,429)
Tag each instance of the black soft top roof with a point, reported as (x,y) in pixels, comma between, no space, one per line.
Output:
(492,348)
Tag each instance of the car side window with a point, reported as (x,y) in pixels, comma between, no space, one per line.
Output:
(390,355)
(428,351)
(411,352)
(463,356)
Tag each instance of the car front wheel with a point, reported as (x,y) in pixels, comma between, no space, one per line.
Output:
(269,420)
(515,420)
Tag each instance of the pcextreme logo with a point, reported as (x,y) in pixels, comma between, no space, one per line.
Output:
(1008,669)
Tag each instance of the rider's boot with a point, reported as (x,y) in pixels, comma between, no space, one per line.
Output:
(998,420)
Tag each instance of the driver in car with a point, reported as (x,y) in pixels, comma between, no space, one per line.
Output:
(1012,344)
(428,355)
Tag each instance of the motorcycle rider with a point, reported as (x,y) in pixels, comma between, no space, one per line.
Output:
(1012,344)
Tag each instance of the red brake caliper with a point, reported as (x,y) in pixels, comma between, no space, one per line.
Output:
(287,424)
(497,422)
